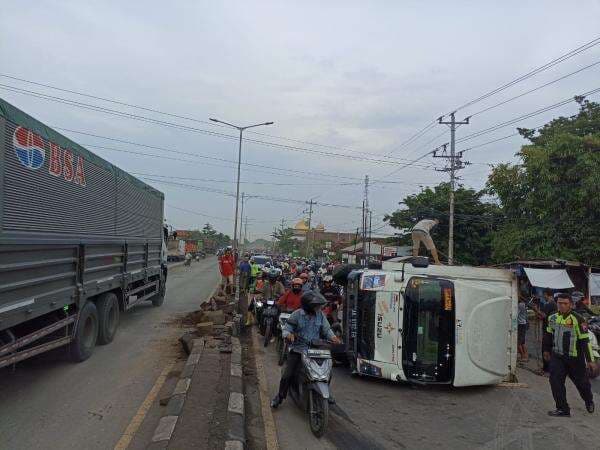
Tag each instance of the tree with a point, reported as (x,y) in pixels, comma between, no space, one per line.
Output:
(285,240)
(473,223)
(550,201)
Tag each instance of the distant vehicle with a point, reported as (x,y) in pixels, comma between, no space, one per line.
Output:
(261,260)
(431,324)
(80,241)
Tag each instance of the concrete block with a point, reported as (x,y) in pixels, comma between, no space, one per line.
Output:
(234,445)
(182,386)
(216,317)
(198,345)
(204,328)
(236,357)
(187,342)
(236,370)
(193,359)
(188,371)
(175,405)
(235,427)
(236,385)
(165,428)
(236,403)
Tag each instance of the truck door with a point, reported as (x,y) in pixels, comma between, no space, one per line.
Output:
(428,330)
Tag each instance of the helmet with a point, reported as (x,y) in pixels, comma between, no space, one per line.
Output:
(297,281)
(312,299)
(577,296)
(304,276)
(273,274)
(327,279)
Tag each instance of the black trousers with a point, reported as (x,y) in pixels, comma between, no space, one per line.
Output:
(575,369)
(292,365)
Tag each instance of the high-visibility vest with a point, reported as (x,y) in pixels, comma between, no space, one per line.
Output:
(566,332)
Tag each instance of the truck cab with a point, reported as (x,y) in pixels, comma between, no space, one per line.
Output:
(430,324)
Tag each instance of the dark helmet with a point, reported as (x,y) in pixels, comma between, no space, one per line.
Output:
(577,296)
(273,274)
(311,299)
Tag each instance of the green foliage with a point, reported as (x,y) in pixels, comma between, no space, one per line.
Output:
(550,200)
(473,225)
(285,240)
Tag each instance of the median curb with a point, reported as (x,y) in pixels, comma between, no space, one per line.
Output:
(236,415)
(166,426)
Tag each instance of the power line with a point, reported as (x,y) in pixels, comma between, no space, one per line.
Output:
(150,120)
(535,89)
(531,73)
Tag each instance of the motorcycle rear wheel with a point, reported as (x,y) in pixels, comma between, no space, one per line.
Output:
(282,353)
(268,331)
(318,414)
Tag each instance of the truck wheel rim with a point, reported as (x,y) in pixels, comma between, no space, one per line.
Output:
(112,319)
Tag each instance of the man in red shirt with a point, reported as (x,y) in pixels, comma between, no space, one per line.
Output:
(227,266)
(291,300)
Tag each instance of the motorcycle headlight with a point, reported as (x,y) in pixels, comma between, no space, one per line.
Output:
(259,304)
(318,369)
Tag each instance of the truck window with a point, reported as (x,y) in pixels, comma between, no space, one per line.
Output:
(428,329)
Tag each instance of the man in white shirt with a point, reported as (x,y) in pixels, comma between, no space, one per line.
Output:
(421,233)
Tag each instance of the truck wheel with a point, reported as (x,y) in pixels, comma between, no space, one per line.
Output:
(86,334)
(108,317)
(159,298)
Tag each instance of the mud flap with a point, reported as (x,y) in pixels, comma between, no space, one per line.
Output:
(321,388)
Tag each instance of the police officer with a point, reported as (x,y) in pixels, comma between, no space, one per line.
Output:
(567,347)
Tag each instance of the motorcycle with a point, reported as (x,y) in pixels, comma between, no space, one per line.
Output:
(269,316)
(281,344)
(258,307)
(310,388)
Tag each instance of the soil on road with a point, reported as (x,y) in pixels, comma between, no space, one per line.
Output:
(49,402)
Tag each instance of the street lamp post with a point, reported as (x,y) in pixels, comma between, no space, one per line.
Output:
(237,200)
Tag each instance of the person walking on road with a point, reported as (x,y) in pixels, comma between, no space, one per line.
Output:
(245,270)
(421,232)
(522,325)
(567,347)
(227,266)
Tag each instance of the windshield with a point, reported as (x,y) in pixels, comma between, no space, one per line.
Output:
(261,260)
(428,325)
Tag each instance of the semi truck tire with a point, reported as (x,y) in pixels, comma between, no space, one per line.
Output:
(86,334)
(108,317)
(159,298)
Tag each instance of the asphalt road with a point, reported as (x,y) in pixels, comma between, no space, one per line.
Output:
(376,414)
(49,402)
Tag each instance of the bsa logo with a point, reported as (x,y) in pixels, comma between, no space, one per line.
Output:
(29,148)
(30,151)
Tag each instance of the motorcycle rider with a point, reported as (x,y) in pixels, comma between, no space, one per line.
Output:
(291,300)
(579,306)
(333,297)
(272,288)
(303,327)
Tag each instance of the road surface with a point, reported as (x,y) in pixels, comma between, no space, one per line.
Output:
(376,414)
(49,402)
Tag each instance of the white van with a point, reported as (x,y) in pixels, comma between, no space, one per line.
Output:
(432,324)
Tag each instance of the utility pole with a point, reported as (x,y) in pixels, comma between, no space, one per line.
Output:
(282,228)
(310,211)
(240,242)
(370,230)
(245,232)
(365,215)
(455,164)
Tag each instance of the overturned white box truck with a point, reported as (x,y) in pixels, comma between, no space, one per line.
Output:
(80,241)
(432,324)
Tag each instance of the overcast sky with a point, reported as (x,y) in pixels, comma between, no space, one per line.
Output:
(357,78)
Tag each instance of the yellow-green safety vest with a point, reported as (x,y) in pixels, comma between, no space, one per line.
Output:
(566,331)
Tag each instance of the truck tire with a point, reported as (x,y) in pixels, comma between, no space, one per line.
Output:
(86,334)
(159,298)
(108,317)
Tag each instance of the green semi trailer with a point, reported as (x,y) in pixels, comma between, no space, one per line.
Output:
(80,242)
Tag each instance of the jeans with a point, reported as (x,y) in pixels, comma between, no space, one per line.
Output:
(292,366)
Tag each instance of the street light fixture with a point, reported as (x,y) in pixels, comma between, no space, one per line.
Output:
(237,197)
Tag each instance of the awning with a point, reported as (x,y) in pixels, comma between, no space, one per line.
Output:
(549,278)
(595,284)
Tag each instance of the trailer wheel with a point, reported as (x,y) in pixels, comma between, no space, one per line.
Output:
(86,334)
(159,298)
(108,317)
